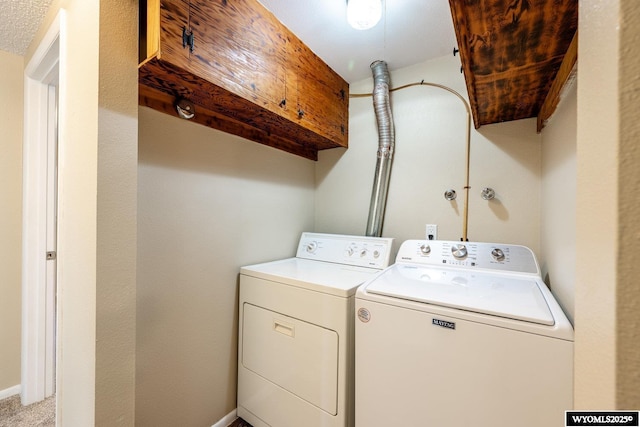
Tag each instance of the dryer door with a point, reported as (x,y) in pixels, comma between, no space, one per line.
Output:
(298,356)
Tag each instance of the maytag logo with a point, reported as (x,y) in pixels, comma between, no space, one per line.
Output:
(443,323)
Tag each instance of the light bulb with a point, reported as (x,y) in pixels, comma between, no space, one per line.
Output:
(364,14)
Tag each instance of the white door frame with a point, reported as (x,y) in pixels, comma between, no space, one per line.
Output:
(38,360)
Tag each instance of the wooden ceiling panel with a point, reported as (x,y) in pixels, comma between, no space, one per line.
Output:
(511,51)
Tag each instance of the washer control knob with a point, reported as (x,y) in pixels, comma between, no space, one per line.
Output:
(311,247)
(425,249)
(363,253)
(349,251)
(376,254)
(498,254)
(459,251)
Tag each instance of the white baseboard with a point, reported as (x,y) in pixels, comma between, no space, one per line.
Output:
(228,419)
(12,391)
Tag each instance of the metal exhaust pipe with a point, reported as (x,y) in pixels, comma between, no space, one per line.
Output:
(386,144)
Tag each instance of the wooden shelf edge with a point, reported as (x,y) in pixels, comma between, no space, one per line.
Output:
(165,103)
(458,15)
(565,76)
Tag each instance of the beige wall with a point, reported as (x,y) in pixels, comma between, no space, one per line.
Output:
(628,297)
(430,126)
(597,201)
(558,206)
(97,211)
(11,111)
(607,322)
(209,203)
(117,214)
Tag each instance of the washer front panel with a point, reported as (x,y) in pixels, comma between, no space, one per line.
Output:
(416,368)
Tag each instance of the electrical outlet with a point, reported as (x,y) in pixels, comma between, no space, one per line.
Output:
(432,231)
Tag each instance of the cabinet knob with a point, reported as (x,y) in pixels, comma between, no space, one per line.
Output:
(300,113)
(185,109)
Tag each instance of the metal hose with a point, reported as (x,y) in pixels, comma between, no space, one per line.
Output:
(386,144)
(465,216)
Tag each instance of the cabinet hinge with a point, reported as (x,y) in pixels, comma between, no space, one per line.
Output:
(187,38)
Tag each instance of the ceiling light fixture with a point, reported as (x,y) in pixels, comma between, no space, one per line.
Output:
(364,14)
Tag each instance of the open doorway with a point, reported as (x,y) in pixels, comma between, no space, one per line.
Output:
(40,188)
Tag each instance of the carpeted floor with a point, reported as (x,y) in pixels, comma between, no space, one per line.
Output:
(43,414)
(39,414)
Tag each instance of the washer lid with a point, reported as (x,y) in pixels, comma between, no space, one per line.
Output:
(493,294)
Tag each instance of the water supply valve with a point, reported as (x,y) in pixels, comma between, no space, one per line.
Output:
(488,193)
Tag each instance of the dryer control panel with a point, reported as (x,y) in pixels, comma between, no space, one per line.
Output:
(474,255)
(362,251)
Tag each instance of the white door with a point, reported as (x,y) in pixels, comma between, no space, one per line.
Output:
(40,219)
(51,238)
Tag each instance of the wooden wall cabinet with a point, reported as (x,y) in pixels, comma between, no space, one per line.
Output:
(244,71)
(512,52)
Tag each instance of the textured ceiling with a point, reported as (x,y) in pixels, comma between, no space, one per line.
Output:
(410,31)
(20,21)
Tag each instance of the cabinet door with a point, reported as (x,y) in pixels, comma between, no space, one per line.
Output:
(239,49)
(174,19)
(322,96)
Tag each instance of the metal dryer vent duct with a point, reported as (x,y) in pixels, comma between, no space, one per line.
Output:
(386,144)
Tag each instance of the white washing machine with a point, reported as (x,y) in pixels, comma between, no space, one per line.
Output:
(461,334)
(296,320)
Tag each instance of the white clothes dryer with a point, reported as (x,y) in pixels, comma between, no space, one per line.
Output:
(296,321)
(461,334)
